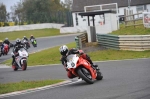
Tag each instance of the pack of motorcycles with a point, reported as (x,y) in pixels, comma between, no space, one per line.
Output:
(21,58)
(78,66)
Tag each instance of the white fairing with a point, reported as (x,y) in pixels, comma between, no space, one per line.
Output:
(22,56)
(24,41)
(72,61)
(32,40)
(23,53)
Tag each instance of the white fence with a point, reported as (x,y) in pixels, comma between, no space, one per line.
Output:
(30,27)
(78,29)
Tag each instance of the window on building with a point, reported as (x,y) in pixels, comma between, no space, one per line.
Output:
(140,9)
(145,8)
(76,18)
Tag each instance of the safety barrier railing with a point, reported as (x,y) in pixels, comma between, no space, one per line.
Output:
(124,42)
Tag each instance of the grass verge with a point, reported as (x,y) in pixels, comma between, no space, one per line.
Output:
(23,85)
(37,33)
(49,56)
(110,54)
(138,30)
(52,55)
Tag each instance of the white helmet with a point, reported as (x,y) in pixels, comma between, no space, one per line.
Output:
(63,50)
(6,38)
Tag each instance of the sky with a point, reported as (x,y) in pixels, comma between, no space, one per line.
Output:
(9,3)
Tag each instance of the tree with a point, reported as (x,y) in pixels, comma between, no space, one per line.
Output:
(38,11)
(68,4)
(3,13)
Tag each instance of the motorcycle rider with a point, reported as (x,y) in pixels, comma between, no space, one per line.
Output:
(17,46)
(25,38)
(32,37)
(64,51)
(6,41)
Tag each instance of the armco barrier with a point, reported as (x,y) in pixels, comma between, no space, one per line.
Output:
(124,42)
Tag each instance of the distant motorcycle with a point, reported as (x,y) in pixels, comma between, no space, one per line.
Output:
(20,60)
(34,43)
(5,50)
(26,43)
(82,68)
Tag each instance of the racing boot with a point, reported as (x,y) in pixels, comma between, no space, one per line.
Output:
(96,67)
(13,60)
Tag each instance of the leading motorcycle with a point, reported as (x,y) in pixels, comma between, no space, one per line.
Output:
(20,60)
(82,68)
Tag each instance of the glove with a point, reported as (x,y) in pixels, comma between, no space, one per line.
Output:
(81,52)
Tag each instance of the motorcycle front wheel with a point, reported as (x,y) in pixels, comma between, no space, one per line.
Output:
(85,75)
(24,65)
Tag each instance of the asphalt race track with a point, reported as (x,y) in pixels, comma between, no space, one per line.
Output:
(45,42)
(128,79)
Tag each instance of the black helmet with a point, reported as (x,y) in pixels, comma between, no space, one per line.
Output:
(18,41)
(63,50)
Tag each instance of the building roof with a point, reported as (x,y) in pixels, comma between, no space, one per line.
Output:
(78,5)
(96,13)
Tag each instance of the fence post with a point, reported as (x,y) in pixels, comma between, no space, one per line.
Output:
(78,42)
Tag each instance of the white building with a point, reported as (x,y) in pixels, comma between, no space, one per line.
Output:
(78,6)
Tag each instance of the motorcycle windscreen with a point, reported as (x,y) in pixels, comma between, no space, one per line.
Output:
(72,61)
(22,52)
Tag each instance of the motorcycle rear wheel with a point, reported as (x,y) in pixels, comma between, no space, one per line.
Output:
(85,76)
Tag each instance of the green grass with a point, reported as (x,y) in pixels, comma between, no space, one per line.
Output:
(49,56)
(52,55)
(104,55)
(23,85)
(138,30)
(37,33)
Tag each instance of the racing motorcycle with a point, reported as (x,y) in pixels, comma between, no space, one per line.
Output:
(34,43)
(20,60)
(82,68)
(5,50)
(26,43)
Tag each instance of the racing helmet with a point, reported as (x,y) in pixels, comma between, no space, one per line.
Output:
(63,50)
(18,41)
(6,38)
(24,36)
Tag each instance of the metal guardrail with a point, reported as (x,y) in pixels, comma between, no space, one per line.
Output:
(125,42)
(81,40)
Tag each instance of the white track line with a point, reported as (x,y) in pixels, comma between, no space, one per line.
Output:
(67,82)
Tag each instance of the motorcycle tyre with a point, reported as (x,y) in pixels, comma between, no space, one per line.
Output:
(24,65)
(99,76)
(81,75)
(15,69)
